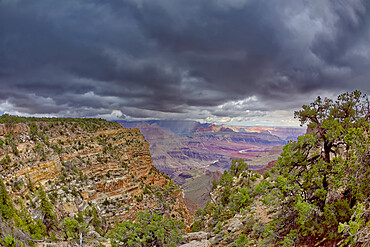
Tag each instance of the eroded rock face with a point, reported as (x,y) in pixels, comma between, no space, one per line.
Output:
(188,150)
(196,239)
(197,236)
(194,243)
(81,164)
(18,128)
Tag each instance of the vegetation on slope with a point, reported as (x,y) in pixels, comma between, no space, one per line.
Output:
(71,179)
(157,226)
(318,193)
(19,223)
(90,123)
(322,181)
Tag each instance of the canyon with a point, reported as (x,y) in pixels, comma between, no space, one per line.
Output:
(83,165)
(109,171)
(195,154)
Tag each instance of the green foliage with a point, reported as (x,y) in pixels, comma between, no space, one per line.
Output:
(226,179)
(6,160)
(20,219)
(321,178)
(319,188)
(9,241)
(38,147)
(34,227)
(197,226)
(73,228)
(214,185)
(95,221)
(49,218)
(235,192)
(89,123)
(79,217)
(53,238)
(33,130)
(357,229)
(290,239)
(217,228)
(237,167)
(151,229)
(139,198)
(242,241)
(45,205)
(242,198)
(6,203)
(13,145)
(239,197)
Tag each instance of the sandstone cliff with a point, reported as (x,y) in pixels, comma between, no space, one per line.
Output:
(82,164)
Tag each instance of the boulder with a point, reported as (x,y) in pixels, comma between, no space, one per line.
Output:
(194,243)
(197,236)
(235,225)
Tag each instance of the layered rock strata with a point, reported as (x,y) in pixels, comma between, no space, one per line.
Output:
(84,163)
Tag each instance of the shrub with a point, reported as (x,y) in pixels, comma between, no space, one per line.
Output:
(150,229)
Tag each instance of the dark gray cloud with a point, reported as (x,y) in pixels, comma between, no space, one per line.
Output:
(213,60)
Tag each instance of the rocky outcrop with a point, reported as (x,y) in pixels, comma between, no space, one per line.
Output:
(190,148)
(83,163)
(196,239)
(194,243)
(13,128)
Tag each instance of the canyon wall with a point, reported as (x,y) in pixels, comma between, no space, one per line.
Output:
(82,163)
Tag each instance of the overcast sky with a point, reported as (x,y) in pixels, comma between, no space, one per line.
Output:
(242,62)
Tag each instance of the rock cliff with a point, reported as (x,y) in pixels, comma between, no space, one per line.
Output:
(81,164)
(191,152)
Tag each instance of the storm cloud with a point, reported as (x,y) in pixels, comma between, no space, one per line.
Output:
(238,61)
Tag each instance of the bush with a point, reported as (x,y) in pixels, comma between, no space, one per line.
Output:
(151,229)
(9,241)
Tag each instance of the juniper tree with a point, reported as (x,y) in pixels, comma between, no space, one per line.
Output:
(324,176)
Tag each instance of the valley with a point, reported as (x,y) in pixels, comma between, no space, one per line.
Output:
(195,154)
(226,123)
(91,182)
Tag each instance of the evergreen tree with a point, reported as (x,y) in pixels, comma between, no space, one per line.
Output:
(6,203)
(46,208)
(151,229)
(323,177)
